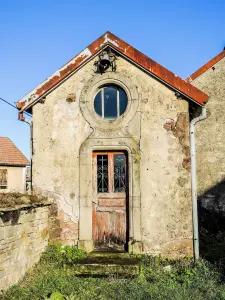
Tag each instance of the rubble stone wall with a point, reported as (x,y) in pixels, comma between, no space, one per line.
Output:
(24,236)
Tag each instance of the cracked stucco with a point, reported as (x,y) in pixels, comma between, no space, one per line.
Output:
(60,129)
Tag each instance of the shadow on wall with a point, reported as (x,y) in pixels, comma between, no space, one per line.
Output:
(211,211)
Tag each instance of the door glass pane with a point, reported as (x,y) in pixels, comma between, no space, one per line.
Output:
(123,101)
(102,174)
(119,173)
(110,103)
(98,103)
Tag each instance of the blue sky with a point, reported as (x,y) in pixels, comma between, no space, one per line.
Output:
(38,37)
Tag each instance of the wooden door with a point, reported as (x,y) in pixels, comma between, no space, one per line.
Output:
(109,206)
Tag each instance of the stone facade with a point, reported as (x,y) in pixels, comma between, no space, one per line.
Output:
(154,131)
(210,133)
(23,237)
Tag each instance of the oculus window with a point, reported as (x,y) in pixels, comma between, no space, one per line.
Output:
(110,102)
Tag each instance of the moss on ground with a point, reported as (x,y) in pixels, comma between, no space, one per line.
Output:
(158,279)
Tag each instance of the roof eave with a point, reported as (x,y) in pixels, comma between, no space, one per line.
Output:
(13,165)
(69,75)
(205,67)
(108,39)
(24,106)
(164,82)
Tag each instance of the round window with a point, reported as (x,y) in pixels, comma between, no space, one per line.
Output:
(110,102)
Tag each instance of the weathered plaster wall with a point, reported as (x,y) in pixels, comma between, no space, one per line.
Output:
(23,237)
(16,179)
(165,178)
(59,130)
(210,135)
(157,138)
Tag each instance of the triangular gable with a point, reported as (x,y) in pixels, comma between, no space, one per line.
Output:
(109,39)
(205,67)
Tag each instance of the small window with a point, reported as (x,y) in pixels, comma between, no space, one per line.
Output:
(3,179)
(110,102)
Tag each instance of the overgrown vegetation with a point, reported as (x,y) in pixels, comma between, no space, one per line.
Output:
(53,278)
(11,200)
(63,255)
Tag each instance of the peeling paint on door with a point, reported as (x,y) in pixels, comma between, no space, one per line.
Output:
(109,206)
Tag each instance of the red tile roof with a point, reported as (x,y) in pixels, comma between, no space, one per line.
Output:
(108,39)
(10,155)
(207,66)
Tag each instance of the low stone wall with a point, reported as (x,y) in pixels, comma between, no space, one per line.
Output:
(24,234)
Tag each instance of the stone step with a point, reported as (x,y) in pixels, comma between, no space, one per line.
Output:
(107,265)
(111,254)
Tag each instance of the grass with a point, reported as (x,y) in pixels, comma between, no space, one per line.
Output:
(158,279)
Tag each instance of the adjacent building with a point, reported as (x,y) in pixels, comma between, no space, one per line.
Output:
(12,167)
(210,134)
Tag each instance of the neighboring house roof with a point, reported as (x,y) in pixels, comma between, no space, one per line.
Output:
(205,67)
(10,155)
(108,39)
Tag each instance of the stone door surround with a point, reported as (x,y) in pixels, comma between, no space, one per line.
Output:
(111,136)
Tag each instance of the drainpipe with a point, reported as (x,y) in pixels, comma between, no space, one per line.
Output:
(194,181)
(30,123)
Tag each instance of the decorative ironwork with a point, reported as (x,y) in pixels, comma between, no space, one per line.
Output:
(119,173)
(102,174)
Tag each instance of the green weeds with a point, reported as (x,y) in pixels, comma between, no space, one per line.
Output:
(62,255)
(159,279)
